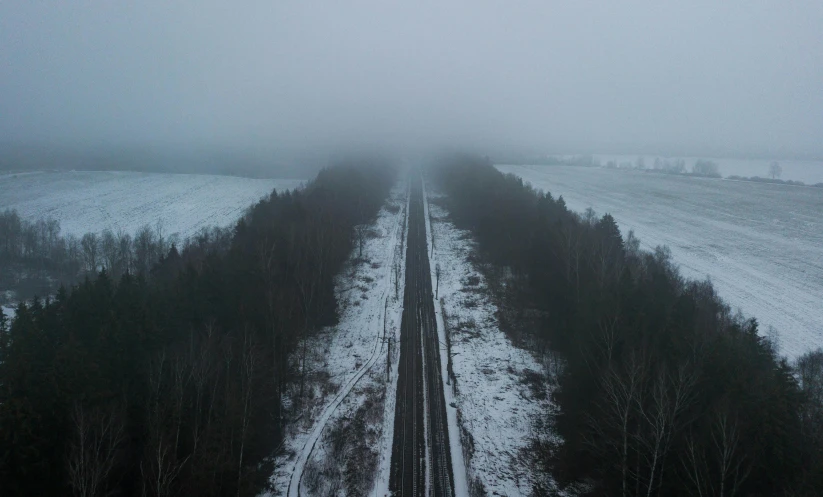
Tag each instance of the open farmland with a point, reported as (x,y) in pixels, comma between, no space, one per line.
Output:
(761,244)
(91,201)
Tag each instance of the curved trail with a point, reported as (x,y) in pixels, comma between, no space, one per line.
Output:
(296,477)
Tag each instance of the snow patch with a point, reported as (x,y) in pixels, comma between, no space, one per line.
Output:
(92,201)
(493,412)
(8,311)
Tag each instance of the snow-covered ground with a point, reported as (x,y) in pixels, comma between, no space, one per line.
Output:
(496,406)
(809,172)
(86,201)
(348,424)
(761,244)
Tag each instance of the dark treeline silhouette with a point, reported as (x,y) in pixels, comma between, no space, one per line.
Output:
(662,391)
(179,380)
(676,166)
(548,160)
(775,181)
(36,259)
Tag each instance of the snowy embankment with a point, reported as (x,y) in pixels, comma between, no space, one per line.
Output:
(342,441)
(501,395)
(93,201)
(761,244)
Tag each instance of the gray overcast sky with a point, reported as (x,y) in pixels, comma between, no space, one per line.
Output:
(696,75)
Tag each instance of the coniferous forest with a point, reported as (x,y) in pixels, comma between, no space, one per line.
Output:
(661,390)
(177,378)
(178,374)
(416,310)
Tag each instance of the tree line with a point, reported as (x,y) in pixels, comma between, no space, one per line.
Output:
(179,379)
(662,390)
(36,259)
(701,167)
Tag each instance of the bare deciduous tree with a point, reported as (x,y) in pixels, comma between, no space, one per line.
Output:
(620,388)
(775,170)
(248,367)
(124,252)
(109,249)
(659,420)
(717,467)
(92,454)
(90,245)
(160,466)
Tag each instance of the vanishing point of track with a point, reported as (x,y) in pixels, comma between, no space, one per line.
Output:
(421,457)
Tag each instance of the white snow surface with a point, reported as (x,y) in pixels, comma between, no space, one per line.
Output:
(807,171)
(348,360)
(761,244)
(92,201)
(493,405)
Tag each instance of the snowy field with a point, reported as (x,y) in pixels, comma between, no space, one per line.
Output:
(498,408)
(809,172)
(91,201)
(761,244)
(347,425)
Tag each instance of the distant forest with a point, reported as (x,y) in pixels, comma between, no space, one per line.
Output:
(178,377)
(661,389)
(36,259)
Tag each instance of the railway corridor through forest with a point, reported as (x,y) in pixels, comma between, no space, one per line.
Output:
(421,458)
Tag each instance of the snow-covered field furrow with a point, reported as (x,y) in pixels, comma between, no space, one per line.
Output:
(497,408)
(761,244)
(91,201)
(348,365)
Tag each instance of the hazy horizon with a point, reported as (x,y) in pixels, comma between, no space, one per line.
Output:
(737,79)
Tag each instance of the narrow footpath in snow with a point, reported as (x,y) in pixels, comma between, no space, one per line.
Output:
(349,363)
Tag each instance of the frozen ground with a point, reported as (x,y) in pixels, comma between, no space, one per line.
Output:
(497,406)
(87,201)
(809,172)
(347,426)
(761,244)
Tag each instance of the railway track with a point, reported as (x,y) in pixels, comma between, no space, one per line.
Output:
(421,457)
